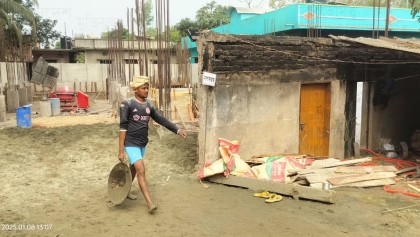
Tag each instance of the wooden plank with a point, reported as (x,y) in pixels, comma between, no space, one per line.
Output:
(365,169)
(333,164)
(322,176)
(347,162)
(314,171)
(180,117)
(324,162)
(368,183)
(414,187)
(190,112)
(357,178)
(294,190)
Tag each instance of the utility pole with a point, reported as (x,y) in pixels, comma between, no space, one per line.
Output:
(387,17)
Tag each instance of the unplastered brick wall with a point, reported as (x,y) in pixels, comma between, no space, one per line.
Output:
(226,53)
(296,58)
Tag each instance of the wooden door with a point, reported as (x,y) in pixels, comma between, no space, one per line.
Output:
(314,120)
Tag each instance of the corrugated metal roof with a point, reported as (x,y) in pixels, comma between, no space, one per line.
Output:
(247,10)
(406,45)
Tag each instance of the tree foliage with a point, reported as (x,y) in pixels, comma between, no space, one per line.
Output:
(212,15)
(185,24)
(10,13)
(393,3)
(115,34)
(27,24)
(209,16)
(276,4)
(148,7)
(126,34)
(415,8)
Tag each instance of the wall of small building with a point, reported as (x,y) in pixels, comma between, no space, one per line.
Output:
(17,78)
(53,57)
(262,113)
(95,56)
(81,75)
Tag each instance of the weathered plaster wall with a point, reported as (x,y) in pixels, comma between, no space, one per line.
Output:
(337,119)
(262,114)
(93,56)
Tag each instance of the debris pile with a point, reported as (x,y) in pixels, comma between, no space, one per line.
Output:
(316,172)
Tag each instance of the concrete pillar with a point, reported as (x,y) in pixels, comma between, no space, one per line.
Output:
(12,100)
(117,97)
(112,94)
(23,96)
(2,108)
(45,108)
(30,93)
(123,92)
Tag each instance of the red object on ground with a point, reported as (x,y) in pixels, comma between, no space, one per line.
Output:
(69,100)
(82,100)
(389,190)
(65,94)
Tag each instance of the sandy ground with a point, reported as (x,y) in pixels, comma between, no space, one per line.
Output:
(54,183)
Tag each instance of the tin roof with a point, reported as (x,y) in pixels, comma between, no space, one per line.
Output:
(407,45)
(247,10)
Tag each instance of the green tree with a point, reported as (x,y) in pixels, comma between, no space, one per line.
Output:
(57,44)
(151,32)
(184,25)
(415,8)
(114,34)
(276,4)
(80,57)
(212,15)
(10,11)
(148,16)
(45,33)
(393,3)
(148,7)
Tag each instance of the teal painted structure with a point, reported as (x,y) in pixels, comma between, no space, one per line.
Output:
(297,19)
(322,16)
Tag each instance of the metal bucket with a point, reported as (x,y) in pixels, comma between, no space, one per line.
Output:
(55,106)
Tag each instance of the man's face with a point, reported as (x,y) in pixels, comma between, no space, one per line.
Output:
(142,91)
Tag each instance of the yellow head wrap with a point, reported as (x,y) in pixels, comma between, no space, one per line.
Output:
(139,81)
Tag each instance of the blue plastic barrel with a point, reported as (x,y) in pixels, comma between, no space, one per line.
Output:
(24,117)
(55,106)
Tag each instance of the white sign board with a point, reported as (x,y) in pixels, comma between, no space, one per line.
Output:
(209,79)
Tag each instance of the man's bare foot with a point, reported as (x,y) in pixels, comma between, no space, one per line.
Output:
(152,208)
(131,196)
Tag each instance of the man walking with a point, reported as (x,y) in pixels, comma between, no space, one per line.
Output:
(135,114)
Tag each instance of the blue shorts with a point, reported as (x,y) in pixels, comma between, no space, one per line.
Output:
(134,153)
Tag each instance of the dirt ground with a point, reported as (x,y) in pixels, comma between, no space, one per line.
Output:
(54,183)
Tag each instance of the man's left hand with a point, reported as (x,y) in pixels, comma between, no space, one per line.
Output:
(182,133)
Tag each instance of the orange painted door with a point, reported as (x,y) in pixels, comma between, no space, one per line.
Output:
(314,119)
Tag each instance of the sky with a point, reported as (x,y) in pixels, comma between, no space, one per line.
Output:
(92,17)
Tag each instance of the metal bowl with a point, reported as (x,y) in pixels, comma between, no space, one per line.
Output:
(119,183)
